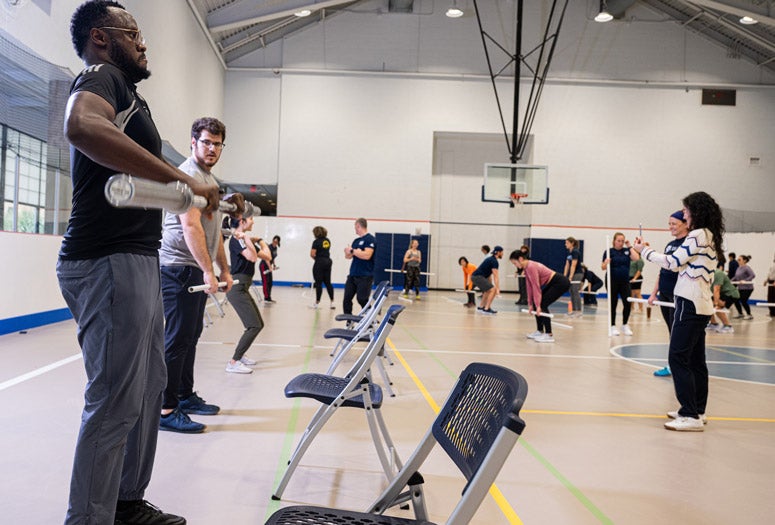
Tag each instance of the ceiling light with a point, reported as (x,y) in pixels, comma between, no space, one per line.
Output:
(603,15)
(454,11)
(747,20)
(303,13)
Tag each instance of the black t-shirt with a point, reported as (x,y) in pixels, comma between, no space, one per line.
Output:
(238,263)
(322,248)
(96,228)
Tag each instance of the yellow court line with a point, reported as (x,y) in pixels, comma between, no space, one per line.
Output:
(495,492)
(649,416)
(739,354)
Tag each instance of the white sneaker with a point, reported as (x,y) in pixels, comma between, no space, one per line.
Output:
(544,338)
(613,331)
(248,361)
(626,329)
(238,368)
(533,335)
(673,414)
(685,424)
(726,330)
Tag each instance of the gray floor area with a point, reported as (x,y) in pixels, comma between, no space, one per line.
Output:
(594,450)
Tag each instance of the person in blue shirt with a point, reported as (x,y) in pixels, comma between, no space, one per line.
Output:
(618,257)
(663,288)
(361,276)
(485,278)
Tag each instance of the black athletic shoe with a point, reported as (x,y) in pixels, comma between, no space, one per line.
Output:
(141,512)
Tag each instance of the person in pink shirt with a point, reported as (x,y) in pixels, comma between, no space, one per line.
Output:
(544,287)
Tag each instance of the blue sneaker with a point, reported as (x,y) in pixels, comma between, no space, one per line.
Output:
(177,421)
(194,404)
(662,372)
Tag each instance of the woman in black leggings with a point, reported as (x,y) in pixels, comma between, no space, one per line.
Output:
(619,257)
(321,269)
(544,286)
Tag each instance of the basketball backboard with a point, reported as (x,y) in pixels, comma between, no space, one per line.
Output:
(502,180)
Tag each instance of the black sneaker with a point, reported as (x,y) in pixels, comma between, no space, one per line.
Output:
(177,421)
(141,512)
(194,404)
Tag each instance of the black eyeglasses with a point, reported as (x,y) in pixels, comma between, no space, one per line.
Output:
(135,34)
(210,144)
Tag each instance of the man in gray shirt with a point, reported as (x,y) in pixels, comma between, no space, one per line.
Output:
(191,242)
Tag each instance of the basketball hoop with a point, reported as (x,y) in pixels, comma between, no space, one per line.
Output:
(516,198)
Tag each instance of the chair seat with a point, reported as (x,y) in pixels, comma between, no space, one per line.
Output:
(326,389)
(323,516)
(344,333)
(350,318)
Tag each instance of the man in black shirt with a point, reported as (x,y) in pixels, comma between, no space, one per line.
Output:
(108,271)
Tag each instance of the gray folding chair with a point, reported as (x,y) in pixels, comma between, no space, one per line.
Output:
(353,390)
(477,428)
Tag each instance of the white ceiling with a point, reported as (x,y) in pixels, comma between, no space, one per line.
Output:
(238,28)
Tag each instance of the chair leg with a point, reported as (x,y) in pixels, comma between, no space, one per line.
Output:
(390,447)
(320,418)
(385,378)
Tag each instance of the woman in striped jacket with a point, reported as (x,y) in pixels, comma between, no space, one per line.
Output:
(695,261)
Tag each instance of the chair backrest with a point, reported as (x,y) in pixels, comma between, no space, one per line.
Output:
(486,398)
(477,427)
(378,340)
(380,291)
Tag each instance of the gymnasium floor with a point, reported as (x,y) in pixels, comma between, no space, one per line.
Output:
(594,450)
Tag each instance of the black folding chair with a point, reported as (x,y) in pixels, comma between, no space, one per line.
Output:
(477,428)
(353,390)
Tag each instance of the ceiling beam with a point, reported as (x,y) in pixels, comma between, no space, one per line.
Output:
(269,16)
(734,9)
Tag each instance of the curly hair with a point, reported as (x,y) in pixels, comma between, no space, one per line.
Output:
(319,232)
(94,13)
(211,125)
(706,214)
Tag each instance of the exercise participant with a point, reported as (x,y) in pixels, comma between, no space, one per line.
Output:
(108,271)
(574,272)
(619,257)
(190,243)
(321,268)
(267,269)
(663,288)
(244,252)
(412,261)
(361,276)
(468,269)
(695,261)
(544,287)
(485,278)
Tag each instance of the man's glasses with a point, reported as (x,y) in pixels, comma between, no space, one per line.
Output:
(210,144)
(135,34)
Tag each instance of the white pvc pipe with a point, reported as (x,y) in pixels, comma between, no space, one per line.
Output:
(669,305)
(608,282)
(542,314)
(203,287)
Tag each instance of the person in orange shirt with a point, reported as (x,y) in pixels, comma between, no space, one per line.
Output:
(468,269)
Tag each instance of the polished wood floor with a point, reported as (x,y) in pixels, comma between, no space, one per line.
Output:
(594,450)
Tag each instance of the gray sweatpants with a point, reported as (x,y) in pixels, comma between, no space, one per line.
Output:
(116,301)
(240,298)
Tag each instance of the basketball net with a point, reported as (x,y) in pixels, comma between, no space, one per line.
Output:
(516,198)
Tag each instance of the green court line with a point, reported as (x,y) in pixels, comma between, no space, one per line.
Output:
(591,507)
(533,452)
(290,431)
